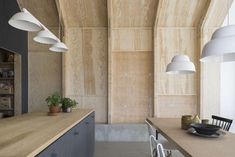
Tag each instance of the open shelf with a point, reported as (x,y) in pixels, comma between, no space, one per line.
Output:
(7,74)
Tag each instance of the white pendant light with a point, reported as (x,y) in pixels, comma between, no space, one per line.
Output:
(218,49)
(225,31)
(59,47)
(221,48)
(46,37)
(180,64)
(25,21)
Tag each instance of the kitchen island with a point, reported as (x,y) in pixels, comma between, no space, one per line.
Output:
(37,134)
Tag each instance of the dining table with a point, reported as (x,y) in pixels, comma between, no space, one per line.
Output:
(194,146)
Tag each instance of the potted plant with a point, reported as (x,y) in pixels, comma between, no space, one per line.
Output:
(54,102)
(68,104)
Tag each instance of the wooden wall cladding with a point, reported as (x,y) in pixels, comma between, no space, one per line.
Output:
(132,82)
(43,10)
(174,106)
(132,39)
(84,13)
(181,13)
(169,42)
(85,69)
(44,78)
(133,13)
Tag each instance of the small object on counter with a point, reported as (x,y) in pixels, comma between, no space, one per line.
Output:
(68,104)
(196,119)
(205,121)
(186,120)
(54,102)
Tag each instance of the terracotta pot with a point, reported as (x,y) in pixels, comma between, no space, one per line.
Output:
(54,109)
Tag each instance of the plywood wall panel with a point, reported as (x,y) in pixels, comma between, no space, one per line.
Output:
(84,13)
(44,10)
(175,106)
(44,78)
(95,58)
(133,13)
(170,42)
(181,13)
(132,39)
(73,64)
(132,82)
(85,69)
(99,104)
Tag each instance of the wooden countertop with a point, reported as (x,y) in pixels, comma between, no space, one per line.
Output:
(29,134)
(191,145)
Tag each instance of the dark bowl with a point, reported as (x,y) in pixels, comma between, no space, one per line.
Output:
(206,129)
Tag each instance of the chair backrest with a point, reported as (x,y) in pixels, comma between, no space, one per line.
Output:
(156,147)
(224,123)
(160,150)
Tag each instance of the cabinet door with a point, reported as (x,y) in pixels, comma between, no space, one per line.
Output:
(60,148)
(90,127)
(79,143)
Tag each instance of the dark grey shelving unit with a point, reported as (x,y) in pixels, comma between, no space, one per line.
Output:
(7,80)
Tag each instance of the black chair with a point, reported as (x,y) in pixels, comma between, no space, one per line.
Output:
(224,123)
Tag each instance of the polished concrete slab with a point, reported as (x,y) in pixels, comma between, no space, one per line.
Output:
(125,149)
(122,149)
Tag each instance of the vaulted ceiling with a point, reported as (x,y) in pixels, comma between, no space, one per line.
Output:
(127,13)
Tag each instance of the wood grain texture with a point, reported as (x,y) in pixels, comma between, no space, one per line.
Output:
(30,134)
(169,42)
(191,145)
(95,58)
(132,39)
(44,10)
(84,13)
(85,69)
(44,78)
(73,63)
(174,106)
(132,82)
(180,13)
(216,13)
(133,13)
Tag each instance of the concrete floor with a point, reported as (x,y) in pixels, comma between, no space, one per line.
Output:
(122,149)
(125,149)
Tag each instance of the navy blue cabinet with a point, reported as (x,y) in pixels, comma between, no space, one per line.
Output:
(77,142)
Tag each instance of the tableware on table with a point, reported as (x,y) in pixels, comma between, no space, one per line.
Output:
(205,121)
(206,129)
(215,135)
(196,119)
(186,120)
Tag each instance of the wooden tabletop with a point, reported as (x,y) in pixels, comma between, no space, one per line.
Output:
(191,145)
(29,134)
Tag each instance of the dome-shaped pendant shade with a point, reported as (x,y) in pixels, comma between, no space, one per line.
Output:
(219,48)
(59,47)
(46,37)
(25,21)
(180,64)
(225,31)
